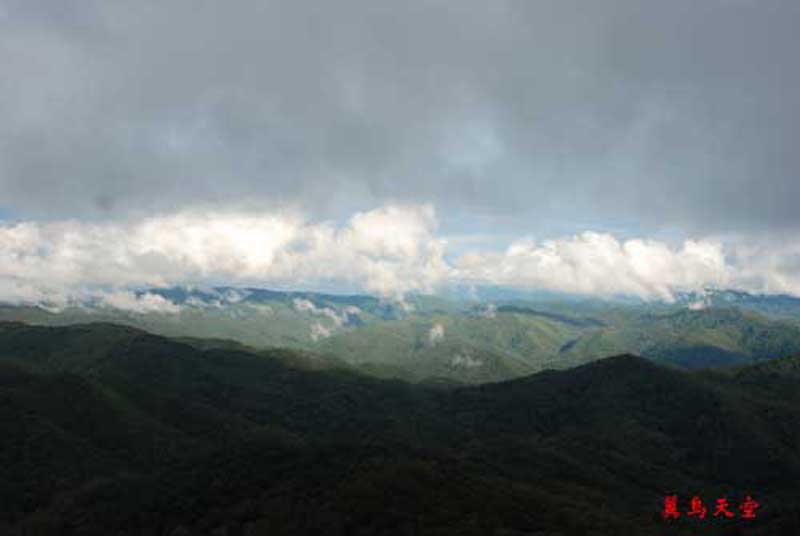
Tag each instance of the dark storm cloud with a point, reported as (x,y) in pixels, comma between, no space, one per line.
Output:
(559,115)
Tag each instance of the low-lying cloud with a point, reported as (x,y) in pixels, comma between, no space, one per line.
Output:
(138,303)
(436,334)
(318,331)
(338,319)
(389,251)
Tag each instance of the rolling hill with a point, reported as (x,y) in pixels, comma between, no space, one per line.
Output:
(434,339)
(694,339)
(111,430)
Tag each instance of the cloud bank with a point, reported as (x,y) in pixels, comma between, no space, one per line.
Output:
(600,264)
(389,251)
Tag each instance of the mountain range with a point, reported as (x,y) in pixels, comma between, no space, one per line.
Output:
(455,339)
(112,430)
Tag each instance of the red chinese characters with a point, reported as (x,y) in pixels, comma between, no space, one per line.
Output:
(722,508)
(697,509)
(671,508)
(748,508)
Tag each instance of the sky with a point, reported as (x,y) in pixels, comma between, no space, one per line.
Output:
(605,147)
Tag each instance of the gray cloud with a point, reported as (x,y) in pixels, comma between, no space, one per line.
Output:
(545,117)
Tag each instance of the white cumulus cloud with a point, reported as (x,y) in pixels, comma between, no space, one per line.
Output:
(600,264)
(389,251)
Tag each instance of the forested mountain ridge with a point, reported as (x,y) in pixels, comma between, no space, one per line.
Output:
(464,341)
(111,430)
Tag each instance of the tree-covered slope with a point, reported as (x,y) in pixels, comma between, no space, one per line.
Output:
(134,433)
(465,348)
(433,339)
(693,339)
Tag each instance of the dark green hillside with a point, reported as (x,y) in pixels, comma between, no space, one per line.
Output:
(640,411)
(693,339)
(776,370)
(110,430)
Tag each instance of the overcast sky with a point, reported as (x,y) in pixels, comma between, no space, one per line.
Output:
(497,125)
